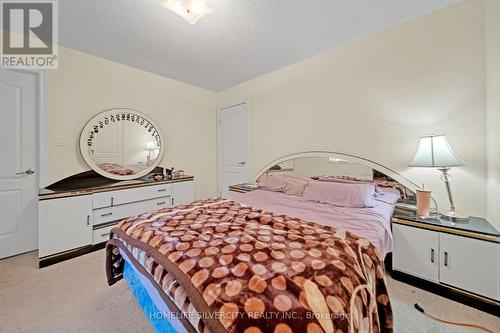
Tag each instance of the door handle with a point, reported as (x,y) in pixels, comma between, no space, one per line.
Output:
(88,220)
(446,258)
(432,255)
(25,172)
(242,163)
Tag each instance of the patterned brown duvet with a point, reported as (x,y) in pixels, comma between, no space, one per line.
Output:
(240,269)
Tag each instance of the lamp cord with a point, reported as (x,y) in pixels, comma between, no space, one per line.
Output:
(419,308)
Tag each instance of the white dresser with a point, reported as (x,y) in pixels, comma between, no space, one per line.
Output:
(72,223)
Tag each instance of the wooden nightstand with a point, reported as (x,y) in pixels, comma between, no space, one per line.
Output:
(459,260)
(242,188)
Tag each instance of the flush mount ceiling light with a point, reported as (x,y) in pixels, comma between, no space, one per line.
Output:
(190,10)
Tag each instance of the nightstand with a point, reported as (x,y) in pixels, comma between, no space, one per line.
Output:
(461,259)
(242,188)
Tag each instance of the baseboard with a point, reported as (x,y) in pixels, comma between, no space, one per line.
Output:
(63,256)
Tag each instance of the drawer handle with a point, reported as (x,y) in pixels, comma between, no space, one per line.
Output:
(106,234)
(446,258)
(107,214)
(162,190)
(160,203)
(112,201)
(88,220)
(432,255)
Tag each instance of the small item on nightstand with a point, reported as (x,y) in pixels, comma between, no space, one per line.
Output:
(174,174)
(423,203)
(180,173)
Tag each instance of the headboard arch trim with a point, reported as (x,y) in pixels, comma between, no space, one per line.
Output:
(350,157)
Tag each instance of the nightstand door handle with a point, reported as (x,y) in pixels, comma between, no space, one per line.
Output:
(445,258)
(432,255)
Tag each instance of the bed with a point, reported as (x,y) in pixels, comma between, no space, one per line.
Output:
(262,261)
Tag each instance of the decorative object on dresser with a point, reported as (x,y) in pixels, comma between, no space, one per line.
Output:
(461,261)
(122,144)
(434,151)
(74,220)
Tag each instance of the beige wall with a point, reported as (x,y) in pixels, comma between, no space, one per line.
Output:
(492,15)
(376,96)
(84,85)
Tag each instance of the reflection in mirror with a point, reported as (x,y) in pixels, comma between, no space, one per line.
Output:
(332,165)
(121,144)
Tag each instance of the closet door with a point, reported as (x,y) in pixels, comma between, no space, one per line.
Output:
(470,264)
(416,252)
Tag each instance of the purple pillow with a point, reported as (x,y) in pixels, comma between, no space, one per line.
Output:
(341,194)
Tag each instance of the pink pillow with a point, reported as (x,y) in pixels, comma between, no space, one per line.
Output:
(275,183)
(341,194)
(288,183)
(295,185)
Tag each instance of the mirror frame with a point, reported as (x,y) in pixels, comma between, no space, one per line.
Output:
(88,128)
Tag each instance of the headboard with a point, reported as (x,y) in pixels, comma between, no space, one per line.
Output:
(328,163)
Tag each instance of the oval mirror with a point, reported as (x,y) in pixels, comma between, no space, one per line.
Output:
(122,144)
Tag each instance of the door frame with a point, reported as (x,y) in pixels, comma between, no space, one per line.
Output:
(220,109)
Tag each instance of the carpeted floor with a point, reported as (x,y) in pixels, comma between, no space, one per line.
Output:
(73,296)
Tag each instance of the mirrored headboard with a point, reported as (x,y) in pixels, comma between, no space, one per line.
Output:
(326,163)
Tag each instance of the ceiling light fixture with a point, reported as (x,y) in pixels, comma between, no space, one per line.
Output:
(190,10)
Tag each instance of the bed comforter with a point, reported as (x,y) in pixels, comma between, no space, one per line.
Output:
(232,268)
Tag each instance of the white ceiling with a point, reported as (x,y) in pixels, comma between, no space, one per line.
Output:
(240,40)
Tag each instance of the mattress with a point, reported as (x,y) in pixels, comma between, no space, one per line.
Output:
(373,224)
(242,269)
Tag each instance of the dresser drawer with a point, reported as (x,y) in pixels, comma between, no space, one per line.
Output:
(102,234)
(115,213)
(114,198)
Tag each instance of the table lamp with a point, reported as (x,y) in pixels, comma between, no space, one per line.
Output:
(434,151)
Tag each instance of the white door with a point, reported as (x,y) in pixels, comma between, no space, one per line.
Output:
(18,183)
(470,264)
(233,147)
(416,252)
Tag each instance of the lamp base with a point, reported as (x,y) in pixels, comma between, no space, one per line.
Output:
(455,217)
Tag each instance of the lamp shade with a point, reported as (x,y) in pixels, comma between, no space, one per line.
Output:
(435,151)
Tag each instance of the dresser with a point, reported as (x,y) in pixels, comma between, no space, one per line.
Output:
(74,222)
(462,259)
